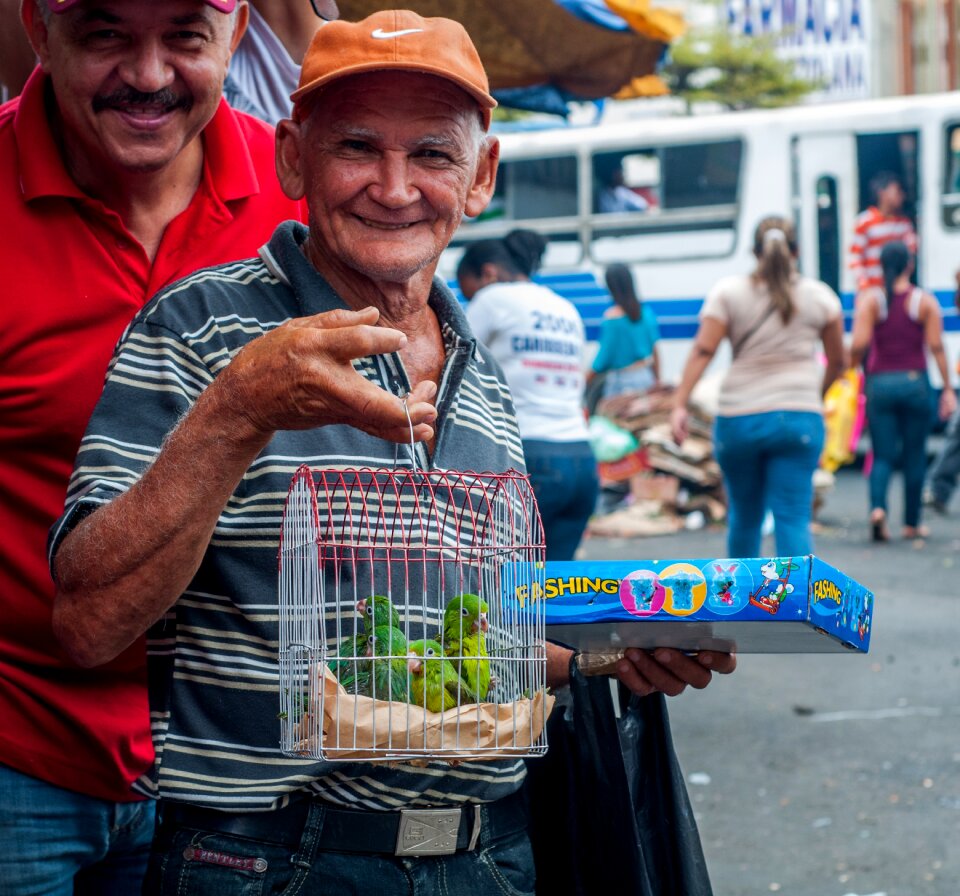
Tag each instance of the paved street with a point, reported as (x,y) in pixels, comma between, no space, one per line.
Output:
(839,774)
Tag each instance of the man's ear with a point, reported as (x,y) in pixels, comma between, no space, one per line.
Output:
(239,25)
(289,158)
(36,30)
(485,180)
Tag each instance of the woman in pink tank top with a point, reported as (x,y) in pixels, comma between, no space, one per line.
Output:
(899,323)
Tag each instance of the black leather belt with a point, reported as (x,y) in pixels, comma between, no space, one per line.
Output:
(413,832)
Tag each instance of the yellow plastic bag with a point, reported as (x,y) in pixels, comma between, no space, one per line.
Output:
(843,414)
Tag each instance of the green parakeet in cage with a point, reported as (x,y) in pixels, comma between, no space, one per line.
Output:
(435,683)
(375,611)
(465,643)
(388,677)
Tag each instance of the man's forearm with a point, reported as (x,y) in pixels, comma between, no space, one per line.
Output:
(126,564)
(558,665)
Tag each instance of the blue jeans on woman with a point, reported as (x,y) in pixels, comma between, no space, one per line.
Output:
(768,462)
(59,843)
(898,416)
(564,480)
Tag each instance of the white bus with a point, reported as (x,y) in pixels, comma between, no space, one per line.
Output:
(707,181)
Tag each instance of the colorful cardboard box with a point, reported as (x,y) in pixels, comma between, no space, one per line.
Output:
(762,605)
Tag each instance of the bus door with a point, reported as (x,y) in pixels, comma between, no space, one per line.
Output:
(899,153)
(825,205)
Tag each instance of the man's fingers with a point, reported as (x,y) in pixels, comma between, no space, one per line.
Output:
(424,392)
(302,375)
(357,334)
(382,414)
(658,677)
(631,678)
(671,671)
(343,344)
(339,317)
(721,663)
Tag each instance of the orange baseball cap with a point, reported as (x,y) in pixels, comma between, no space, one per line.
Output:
(395,40)
(64,5)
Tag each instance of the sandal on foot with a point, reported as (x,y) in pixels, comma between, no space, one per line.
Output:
(878,526)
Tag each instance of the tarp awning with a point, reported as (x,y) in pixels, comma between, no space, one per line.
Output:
(525,43)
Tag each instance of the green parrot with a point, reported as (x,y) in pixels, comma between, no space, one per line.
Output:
(388,676)
(434,681)
(465,642)
(375,611)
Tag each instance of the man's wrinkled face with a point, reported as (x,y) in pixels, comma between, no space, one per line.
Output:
(389,162)
(135,82)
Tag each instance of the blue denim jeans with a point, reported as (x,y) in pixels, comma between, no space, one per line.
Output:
(195,863)
(564,480)
(768,462)
(55,842)
(628,379)
(898,416)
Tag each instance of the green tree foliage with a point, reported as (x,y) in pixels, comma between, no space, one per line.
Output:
(736,71)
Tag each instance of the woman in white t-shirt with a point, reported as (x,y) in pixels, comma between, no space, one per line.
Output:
(537,337)
(769,430)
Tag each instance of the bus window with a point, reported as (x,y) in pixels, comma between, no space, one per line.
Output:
(828,232)
(701,174)
(626,182)
(690,189)
(896,152)
(951,188)
(528,189)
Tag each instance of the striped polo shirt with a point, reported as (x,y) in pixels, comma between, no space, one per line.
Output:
(871,232)
(213,664)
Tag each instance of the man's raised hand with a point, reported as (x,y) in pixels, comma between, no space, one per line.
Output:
(301,376)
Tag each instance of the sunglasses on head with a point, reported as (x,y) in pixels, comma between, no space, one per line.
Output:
(326,9)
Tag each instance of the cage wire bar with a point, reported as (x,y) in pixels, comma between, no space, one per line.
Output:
(350,540)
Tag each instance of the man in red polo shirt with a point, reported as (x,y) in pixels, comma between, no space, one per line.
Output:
(120,171)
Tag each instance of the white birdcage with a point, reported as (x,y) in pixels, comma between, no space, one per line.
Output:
(357,681)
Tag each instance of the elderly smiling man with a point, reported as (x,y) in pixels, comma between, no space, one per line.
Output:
(222,386)
(121,170)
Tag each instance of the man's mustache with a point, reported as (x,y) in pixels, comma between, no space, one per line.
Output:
(164,99)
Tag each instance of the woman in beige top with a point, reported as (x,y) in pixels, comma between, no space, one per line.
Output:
(769,431)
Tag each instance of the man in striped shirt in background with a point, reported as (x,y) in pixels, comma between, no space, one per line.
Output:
(878,225)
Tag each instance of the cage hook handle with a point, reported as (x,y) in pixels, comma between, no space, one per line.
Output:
(413,444)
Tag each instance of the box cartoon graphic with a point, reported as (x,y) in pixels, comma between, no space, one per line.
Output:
(753,605)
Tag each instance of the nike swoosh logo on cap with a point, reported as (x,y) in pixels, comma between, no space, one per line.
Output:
(380,34)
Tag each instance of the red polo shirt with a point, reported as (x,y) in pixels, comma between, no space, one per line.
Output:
(71,278)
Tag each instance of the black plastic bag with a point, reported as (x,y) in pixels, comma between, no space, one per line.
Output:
(608,803)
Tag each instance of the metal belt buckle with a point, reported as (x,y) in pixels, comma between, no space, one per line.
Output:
(428,832)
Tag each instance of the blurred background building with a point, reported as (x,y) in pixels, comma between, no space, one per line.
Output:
(861,48)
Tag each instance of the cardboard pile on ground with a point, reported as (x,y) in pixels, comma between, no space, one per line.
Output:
(667,486)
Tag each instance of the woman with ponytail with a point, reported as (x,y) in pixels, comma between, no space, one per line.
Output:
(897,322)
(768,434)
(537,336)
